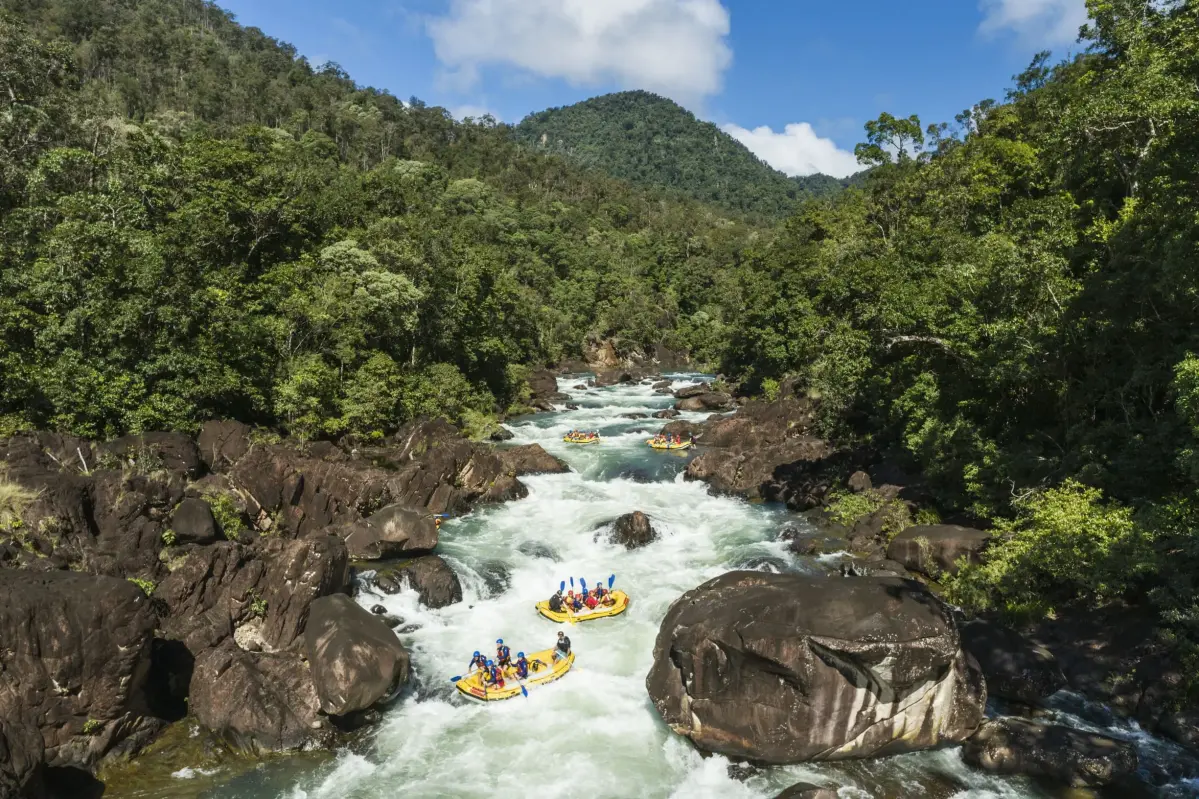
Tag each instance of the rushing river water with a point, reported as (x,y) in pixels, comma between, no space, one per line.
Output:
(593,733)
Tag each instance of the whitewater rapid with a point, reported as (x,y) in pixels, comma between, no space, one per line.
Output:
(593,733)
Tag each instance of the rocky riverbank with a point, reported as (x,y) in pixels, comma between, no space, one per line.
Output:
(161,575)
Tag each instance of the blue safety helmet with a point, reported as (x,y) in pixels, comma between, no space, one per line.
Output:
(499,640)
(520,654)
(476,653)
(489,663)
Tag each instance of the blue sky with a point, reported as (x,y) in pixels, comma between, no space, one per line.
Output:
(794,79)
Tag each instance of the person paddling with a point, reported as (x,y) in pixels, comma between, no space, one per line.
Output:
(522,666)
(503,655)
(478,662)
(562,650)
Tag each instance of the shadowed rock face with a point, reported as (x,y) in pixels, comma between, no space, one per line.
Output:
(356,659)
(1014,667)
(1016,746)
(392,532)
(74,668)
(934,549)
(430,576)
(788,669)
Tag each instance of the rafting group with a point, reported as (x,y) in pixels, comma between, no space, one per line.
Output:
(671,441)
(582,437)
(505,677)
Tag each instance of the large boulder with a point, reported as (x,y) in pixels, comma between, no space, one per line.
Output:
(544,384)
(257,702)
(687,392)
(1083,760)
(75,669)
(431,577)
(1014,667)
(783,668)
(392,532)
(211,591)
(633,530)
(710,401)
(934,549)
(806,790)
(193,522)
(147,453)
(531,459)
(298,573)
(356,659)
(223,443)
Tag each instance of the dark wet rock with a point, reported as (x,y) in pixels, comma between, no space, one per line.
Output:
(1014,667)
(859,482)
(934,549)
(408,630)
(687,392)
(496,575)
(193,523)
(634,416)
(763,563)
(806,790)
(355,658)
(501,434)
(669,413)
(531,459)
(666,392)
(633,530)
(789,532)
(812,544)
(706,402)
(661,384)
(637,476)
(536,549)
(885,567)
(75,671)
(390,532)
(1082,760)
(257,702)
(749,652)
(581,387)
(543,383)
(570,406)
(378,610)
(430,576)
(297,574)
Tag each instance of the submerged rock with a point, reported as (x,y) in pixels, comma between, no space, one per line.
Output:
(497,575)
(633,530)
(392,532)
(1082,760)
(430,576)
(806,790)
(535,549)
(782,668)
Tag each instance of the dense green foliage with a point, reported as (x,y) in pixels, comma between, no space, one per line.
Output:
(197,224)
(652,141)
(1011,304)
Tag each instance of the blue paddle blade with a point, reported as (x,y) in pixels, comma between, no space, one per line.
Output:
(455,679)
(562,586)
(572,582)
(523,692)
(583,583)
(611,580)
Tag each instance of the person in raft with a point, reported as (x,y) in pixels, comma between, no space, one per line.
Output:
(556,602)
(522,666)
(503,655)
(562,650)
(494,675)
(592,600)
(479,662)
(575,601)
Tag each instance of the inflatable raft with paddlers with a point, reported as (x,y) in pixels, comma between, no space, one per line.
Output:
(542,669)
(577,438)
(620,603)
(659,443)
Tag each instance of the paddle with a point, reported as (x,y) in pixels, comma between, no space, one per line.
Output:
(562,586)
(523,691)
(572,582)
(583,583)
(456,679)
(611,580)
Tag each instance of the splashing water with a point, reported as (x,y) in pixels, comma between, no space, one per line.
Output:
(594,732)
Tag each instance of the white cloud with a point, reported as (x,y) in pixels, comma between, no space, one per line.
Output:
(1041,21)
(797,150)
(674,47)
(461,112)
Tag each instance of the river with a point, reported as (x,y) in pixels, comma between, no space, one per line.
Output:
(594,733)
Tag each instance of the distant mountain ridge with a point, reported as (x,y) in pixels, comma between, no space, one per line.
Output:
(650,140)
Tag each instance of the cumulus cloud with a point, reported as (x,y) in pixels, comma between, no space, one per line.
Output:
(797,150)
(1040,21)
(674,47)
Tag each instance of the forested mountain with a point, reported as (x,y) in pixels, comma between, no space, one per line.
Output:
(196,223)
(652,141)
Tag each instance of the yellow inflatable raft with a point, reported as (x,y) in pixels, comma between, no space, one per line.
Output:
(601,612)
(570,440)
(664,445)
(542,669)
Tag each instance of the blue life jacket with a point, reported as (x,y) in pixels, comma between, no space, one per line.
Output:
(503,653)
(522,668)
